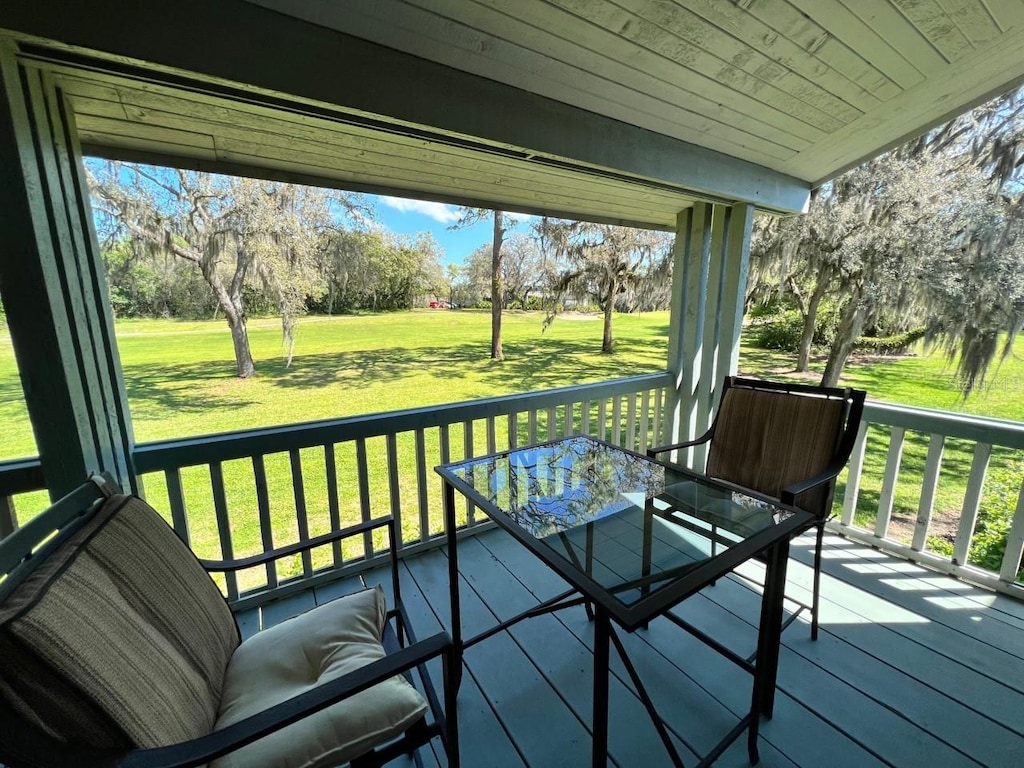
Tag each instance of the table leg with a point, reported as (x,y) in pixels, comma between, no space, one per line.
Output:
(602,630)
(769,640)
(453,582)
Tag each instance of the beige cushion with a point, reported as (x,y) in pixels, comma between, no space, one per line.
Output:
(297,655)
(119,638)
(768,440)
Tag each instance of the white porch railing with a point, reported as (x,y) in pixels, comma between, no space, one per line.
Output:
(240,493)
(970,444)
(269,487)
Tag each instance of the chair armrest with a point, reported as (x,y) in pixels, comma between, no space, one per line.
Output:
(790,492)
(652,452)
(241,563)
(200,751)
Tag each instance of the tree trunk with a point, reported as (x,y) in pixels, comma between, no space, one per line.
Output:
(497,291)
(810,321)
(240,339)
(234,312)
(607,342)
(850,328)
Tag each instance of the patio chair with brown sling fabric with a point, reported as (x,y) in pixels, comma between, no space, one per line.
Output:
(786,441)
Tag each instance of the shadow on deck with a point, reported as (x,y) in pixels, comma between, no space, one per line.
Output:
(911,668)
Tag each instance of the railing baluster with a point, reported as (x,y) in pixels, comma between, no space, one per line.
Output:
(892,471)
(8,517)
(602,420)
(1014,542)
(585,417)
(972,502)
(929,483)
(176,498)
(363,479)
(856,467)
(259,472)
(444,439)
(492,440)
(552,423)
(394,489)
(661,435)
(467,452)
(532,434)
(513,430)
(616,433)
(301,515)
(333,503)
(220,507)
(645,424)
(631,422)
(421,484)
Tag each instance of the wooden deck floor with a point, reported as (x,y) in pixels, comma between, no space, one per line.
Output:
(911,668)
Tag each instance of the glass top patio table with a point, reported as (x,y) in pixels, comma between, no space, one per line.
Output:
(631,533)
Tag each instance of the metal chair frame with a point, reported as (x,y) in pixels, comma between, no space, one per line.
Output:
(854,410)
(24,744)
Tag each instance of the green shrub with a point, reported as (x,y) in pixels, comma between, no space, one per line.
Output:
(774,305)
(995,516)
(784,330)
(890,345)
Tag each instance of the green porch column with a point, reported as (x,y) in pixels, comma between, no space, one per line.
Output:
(709,282)
(53,287)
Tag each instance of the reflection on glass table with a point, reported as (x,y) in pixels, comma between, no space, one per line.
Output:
(634,537)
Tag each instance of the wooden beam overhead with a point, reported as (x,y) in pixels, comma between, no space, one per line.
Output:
(251,54)
(665,103)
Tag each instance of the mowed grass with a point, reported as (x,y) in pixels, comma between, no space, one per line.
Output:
(181,382)
(180,378)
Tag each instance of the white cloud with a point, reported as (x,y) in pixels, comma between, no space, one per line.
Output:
(520,218)
(445,214)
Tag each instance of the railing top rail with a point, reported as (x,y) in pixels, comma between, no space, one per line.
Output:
(21,476)
(982,429)
(170,454)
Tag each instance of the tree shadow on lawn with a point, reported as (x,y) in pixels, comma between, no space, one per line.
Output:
(163,388)
(526,367)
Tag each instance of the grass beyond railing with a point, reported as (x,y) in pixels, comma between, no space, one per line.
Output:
(246,492)
(943,489)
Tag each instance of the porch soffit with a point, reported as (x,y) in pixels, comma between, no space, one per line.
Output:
(624,112)
(234,87)
(808,88)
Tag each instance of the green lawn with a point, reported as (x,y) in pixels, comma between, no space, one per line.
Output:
(180,382)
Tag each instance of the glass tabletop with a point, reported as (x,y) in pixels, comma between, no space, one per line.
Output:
(628,524)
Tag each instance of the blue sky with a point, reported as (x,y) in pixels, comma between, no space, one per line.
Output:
(406,216)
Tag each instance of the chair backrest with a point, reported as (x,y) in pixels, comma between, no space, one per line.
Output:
(768,435)
(112,634)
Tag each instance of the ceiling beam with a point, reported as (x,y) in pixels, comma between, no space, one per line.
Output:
(235,42)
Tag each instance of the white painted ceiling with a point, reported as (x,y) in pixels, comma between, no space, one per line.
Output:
(805,87)
(613,110)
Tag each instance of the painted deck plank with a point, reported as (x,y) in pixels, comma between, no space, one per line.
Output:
(486,736)
(904,675)
(997,648)
(678,696)
(902,717)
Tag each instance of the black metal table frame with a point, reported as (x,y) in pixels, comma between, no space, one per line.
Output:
(772,544)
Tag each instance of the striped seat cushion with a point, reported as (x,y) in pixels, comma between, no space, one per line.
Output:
(768,440)
(119,638)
